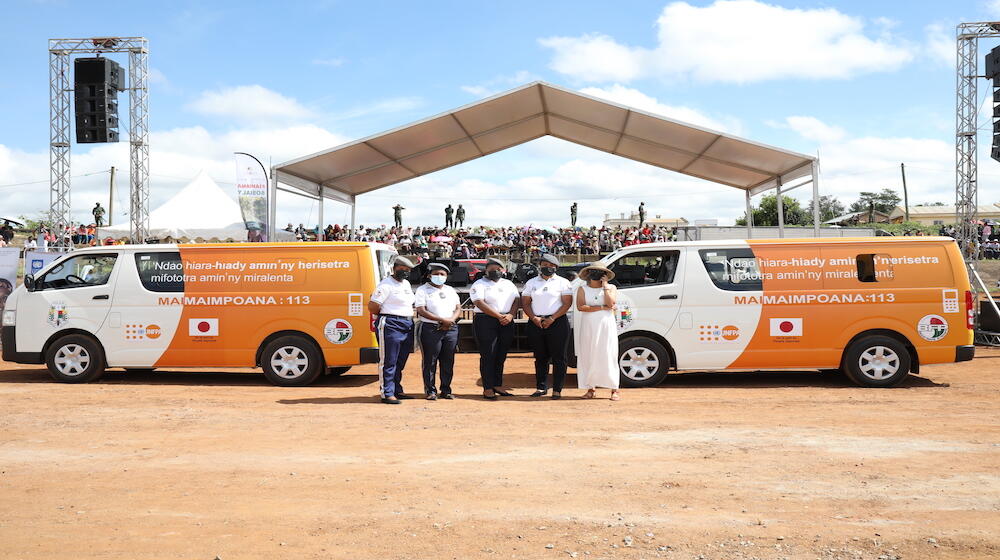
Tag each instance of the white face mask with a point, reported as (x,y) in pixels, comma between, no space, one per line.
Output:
(438,279)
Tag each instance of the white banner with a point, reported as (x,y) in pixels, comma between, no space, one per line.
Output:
(251,186)
(10,259)
(37,260)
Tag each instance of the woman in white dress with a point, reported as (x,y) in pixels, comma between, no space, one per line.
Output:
(596,333)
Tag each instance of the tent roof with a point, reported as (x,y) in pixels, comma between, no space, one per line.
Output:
(529,112)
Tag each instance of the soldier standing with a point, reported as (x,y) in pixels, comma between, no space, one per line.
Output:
(397,214)
(98,213)
(460,216)
(449,221)
(572,214)
(642,214)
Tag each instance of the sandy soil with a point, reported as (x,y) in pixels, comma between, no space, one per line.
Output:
(766,465)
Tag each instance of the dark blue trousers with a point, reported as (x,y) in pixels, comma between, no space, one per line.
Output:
(395,342)
(438,349)
(493,340)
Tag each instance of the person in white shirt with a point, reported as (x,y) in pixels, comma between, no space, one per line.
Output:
(546,299)
(496,302)
(30,244)
(596,332)
(392,301)
(438,308)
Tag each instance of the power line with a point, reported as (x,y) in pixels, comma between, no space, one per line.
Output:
(47,180)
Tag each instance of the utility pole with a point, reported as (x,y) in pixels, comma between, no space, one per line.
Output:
(111,197)
(906,199)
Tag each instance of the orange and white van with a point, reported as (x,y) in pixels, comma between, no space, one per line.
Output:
(297,310)
(875,308)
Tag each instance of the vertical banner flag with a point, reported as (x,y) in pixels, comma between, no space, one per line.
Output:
(37,260)
(251,186)
(10,259)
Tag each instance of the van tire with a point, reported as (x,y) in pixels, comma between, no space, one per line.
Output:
(649,354)
(338,371)
(139,370)
(877,361)
(291,361)
(75,358)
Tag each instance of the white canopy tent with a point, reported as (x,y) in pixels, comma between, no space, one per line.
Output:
(199,211)
(532,111)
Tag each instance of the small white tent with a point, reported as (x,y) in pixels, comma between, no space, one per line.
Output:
(200,211)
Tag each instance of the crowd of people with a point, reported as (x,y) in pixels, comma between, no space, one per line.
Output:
(484,241)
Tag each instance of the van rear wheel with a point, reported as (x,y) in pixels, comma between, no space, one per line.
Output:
(291,361)
(642,361)
(877,361)
(75,358)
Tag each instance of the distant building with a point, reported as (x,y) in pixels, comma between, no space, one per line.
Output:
(633,221)
(943,215)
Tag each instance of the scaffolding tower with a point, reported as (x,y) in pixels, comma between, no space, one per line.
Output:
(61,112)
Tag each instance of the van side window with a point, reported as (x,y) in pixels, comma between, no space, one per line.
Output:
(161,271)
(79,271)
(732,269)
(645,268)
(874,267)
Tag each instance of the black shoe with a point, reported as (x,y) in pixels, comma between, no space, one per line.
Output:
(539,393)
(448,396)
(504,393)
(386,400)
(403,397)
(432,396)
(556,396)
(492,397)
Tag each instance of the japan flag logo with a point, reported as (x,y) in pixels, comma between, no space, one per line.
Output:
(786,327)
(203,327)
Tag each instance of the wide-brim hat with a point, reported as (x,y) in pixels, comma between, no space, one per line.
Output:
(586,271)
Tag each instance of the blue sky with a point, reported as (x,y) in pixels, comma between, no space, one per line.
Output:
(866,85)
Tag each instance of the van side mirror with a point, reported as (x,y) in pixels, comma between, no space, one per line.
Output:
(29,282)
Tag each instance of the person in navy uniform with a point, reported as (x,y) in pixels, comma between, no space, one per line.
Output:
(546,299)
(438,308)
(392,303)
(496,300)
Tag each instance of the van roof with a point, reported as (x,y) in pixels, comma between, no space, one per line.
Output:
(175,246)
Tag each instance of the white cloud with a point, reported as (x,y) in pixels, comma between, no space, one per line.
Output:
(940,44)
(736,41)
(500,83)
(812,128)
(635,98)
(379,107)
(249,104)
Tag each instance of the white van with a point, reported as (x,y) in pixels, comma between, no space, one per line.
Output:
(876,308)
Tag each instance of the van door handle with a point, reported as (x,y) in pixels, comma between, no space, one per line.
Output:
(669,296)
(102,296)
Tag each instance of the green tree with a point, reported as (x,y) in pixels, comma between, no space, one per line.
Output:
(829,208)
(883,201)
(766,214)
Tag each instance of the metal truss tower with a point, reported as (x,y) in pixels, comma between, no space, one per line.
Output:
(60,114)
(966,128)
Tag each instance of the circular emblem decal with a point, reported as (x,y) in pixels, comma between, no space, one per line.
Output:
(153,331)
(624,312)
(730,332)
(338,331)
(932,327)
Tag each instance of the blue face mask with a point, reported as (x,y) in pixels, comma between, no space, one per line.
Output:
(438,279)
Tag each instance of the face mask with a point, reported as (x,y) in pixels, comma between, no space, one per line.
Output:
(400,274)
(493,275)
(438,279)
(547,270)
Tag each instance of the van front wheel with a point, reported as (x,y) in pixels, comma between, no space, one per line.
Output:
(877,361)
(642,361)
(75,358)
(291,361)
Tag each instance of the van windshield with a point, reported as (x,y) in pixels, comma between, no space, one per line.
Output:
(79,271)
(384,262)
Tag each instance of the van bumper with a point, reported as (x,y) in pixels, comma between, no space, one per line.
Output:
(964,353)
(10,353)
(368,356)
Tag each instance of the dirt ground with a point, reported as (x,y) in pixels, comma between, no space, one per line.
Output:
(192,465)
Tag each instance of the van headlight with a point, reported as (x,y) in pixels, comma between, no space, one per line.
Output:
(8,318)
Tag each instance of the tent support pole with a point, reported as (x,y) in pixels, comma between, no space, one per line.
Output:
(319,237)
(749,217)
(781,209)
(815,186)
(272,206)
(354,207)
